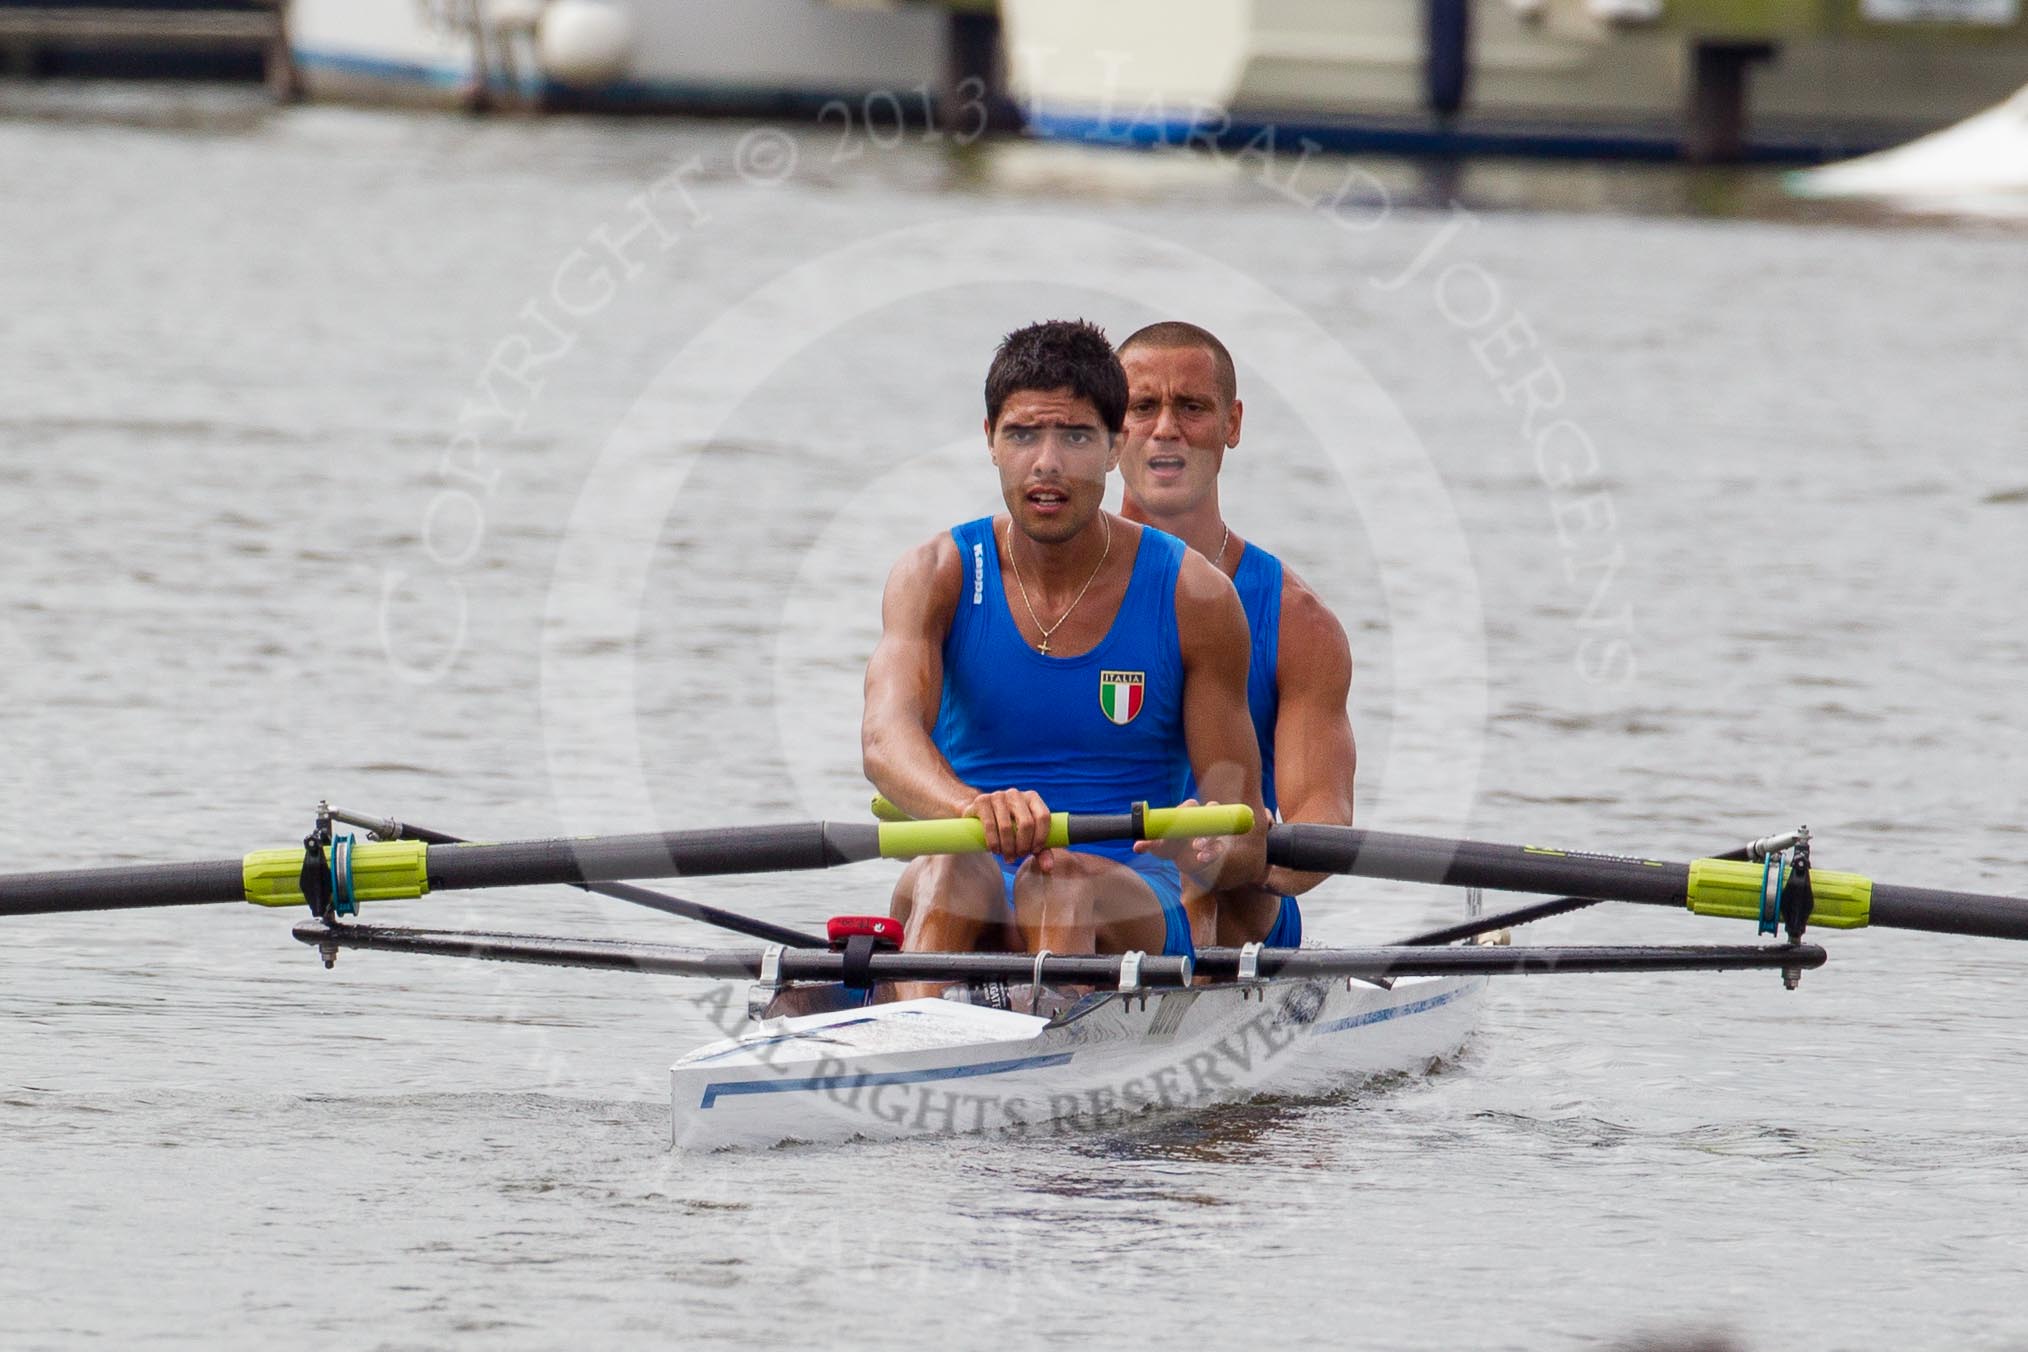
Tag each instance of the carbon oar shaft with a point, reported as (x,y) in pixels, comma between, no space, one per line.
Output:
(662,854)
(383,870)
(123,888)
(1310,848)
(767,849)
(388,828)
(1941,912)
(804,845)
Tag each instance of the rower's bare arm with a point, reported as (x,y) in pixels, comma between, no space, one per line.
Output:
(1316,759)
(905,689)
(1223,753)
(905,683)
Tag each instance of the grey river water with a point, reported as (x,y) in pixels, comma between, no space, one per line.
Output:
(399,460)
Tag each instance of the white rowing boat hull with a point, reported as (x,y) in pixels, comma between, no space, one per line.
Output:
(929,1067)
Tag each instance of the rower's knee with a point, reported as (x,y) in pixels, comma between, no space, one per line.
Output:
(902,904)
(1068,874)
(949,901)
(1095,902)
(1247,916)
(1201,909)
(1064,895)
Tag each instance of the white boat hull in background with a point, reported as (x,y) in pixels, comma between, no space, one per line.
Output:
(707,54)
(1551,76)
(1980,165)
(932,1067)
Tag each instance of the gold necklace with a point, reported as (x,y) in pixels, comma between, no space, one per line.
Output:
(1223,541)
(1048,629)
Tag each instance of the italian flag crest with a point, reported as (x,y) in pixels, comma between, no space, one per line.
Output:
(1121,694)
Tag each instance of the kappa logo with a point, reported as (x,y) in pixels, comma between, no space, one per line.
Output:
(978,573)
(1121,694)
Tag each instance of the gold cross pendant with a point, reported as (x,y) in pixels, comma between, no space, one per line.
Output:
(1043,647)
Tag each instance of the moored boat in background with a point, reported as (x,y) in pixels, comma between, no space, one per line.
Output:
(1547,77)
(1978,167)
(757,56)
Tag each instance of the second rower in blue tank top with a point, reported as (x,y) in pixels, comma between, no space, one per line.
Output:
(1183,415)
(1059,658)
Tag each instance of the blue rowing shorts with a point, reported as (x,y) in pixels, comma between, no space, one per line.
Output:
(1288,927)
(1162,879)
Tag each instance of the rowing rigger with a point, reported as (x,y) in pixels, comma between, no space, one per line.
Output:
(1128,971)
(817,1060)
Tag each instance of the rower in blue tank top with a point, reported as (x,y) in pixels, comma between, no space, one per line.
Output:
(1258,578)
(1117,710)
(1059,658)
(1183,415)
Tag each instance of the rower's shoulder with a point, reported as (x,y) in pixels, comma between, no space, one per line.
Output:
(1312,638)
(1131,537)
(1198,580)
(927,577)
(936,558)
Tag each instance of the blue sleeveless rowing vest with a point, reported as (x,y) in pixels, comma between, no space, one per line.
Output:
(1258,580)
(1110,720)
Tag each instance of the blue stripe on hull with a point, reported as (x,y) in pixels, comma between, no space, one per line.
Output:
(1373,1016)
(860,1079)
(1350,136)
(381,68)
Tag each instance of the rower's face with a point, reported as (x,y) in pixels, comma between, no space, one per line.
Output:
(1054,453)
(1178,429)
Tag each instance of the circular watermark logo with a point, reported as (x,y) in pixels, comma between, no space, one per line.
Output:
(726,584)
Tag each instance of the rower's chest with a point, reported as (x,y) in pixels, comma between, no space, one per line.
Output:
(1070,625)
(1111,682)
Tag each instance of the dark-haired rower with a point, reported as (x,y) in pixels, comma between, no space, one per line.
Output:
(1058,658)
(1183,415)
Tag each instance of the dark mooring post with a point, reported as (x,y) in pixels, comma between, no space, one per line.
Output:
(1447,55)
(1718,99)
(974,96)
(284,81)
(18,59)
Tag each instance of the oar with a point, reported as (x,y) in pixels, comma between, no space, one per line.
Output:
(1726,887)
(1104,969)
(388,828)
(384,870)
(1542,910)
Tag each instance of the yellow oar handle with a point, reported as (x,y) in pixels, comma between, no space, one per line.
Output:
(901,838)
(1184,823)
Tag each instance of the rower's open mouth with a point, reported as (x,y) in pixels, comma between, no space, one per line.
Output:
(1165,466)
(1048,499)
